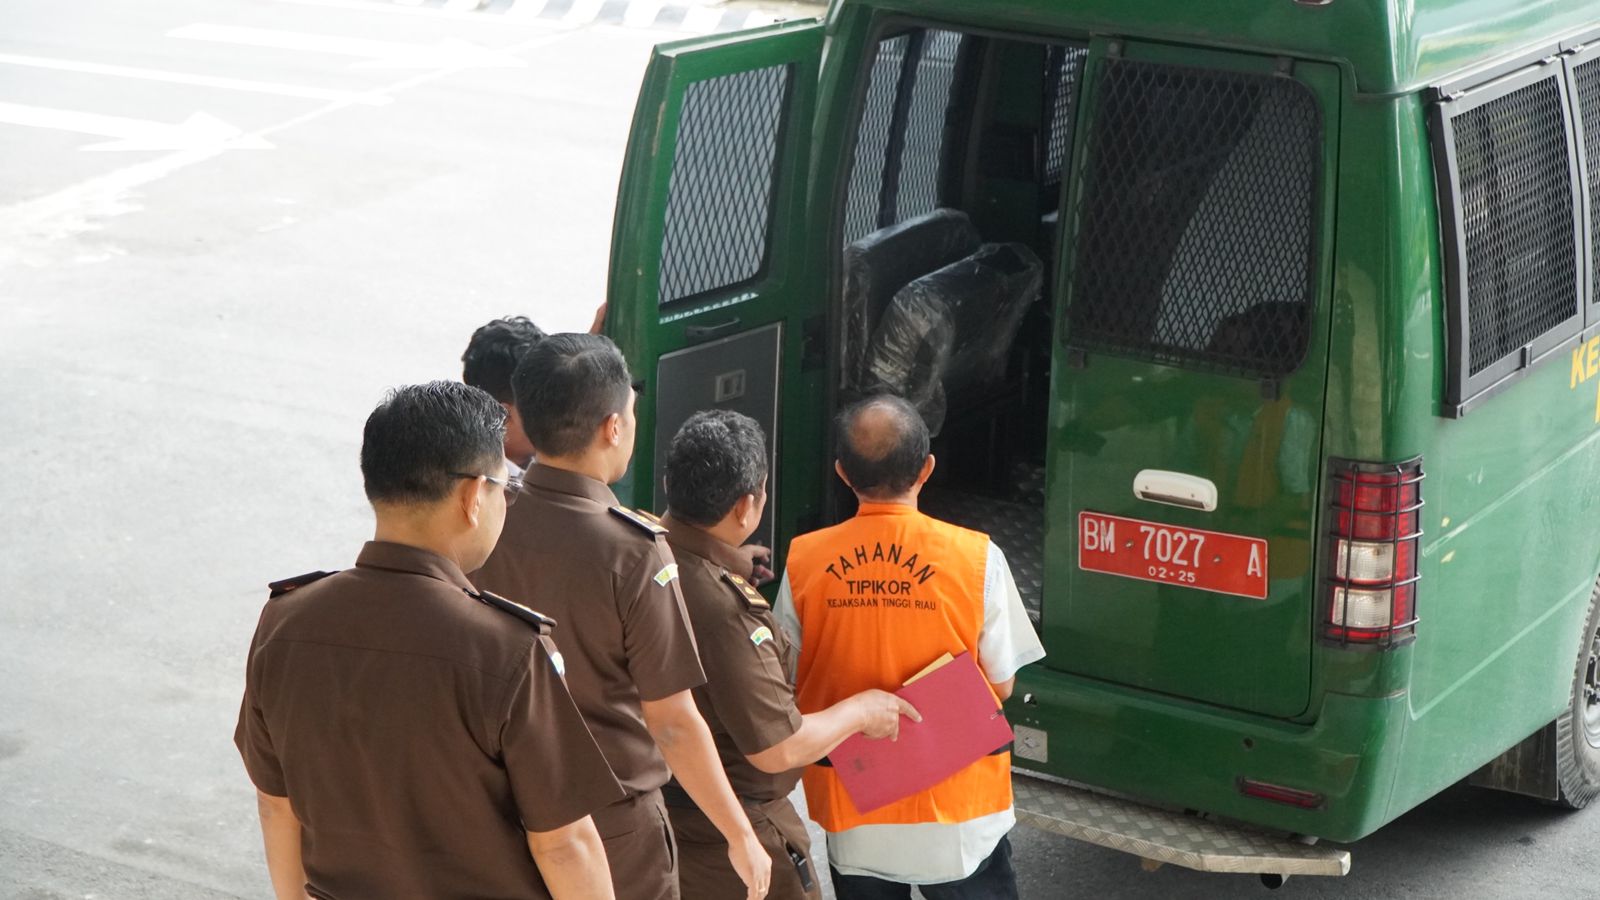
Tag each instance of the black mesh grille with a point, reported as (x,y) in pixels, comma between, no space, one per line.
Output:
(900,148)
(1063,75)
(1516,205)
(1588,82)
(872,142)
(720,197)
(924,129)
(1195,220)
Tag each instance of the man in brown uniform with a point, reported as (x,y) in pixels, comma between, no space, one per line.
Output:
(607,575)
(716,491)
(407,735)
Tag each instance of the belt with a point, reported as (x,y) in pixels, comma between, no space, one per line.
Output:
(676,797)
(827,763)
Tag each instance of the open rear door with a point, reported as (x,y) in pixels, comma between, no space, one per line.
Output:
(715,292)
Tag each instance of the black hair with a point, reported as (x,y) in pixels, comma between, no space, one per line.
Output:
(422,433)
(566,386)
(494,351)
(717,457)
(886,461)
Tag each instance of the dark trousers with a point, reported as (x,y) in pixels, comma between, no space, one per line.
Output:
(993,880)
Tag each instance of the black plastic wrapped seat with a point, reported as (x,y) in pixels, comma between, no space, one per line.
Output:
(951,331)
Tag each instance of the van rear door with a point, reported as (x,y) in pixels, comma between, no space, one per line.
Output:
(1185,469)
(713,292)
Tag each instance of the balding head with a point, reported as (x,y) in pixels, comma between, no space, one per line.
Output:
(882,446)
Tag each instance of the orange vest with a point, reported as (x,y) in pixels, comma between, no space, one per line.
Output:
(879,597)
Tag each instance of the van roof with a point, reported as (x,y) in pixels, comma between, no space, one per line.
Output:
(1393,46)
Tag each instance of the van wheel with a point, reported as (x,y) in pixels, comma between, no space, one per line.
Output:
(1578,730)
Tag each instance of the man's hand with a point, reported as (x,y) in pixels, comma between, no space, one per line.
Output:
(599,322)
(758,557)
(685,741)
(881,712)
(753,864)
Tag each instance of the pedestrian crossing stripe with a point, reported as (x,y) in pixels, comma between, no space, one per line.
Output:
(627,13)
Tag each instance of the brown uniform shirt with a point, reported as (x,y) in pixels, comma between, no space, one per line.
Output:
(416,731)
(747,700)
(613,586)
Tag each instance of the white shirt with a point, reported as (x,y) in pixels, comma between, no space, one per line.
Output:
(933,852)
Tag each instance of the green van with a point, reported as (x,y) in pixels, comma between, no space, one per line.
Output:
(1263,336)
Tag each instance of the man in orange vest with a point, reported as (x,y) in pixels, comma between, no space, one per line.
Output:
(871,602)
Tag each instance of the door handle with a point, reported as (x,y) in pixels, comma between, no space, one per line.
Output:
(707,332)
(1175,489)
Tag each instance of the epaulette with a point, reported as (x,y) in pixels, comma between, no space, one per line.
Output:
(752,598)
(279,588)
(641,519)
(537,619)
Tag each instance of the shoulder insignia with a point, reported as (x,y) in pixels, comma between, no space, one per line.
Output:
(537,619)
(639,519)
(279,588)
(746,591)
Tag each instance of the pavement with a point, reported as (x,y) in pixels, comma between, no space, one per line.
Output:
(226,227)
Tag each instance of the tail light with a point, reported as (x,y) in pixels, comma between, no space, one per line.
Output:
(1277,793)
(1376,516)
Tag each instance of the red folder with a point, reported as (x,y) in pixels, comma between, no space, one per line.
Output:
(961,724)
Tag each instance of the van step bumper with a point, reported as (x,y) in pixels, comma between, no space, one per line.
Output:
(1162,836)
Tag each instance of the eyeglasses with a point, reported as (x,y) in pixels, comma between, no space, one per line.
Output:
(511,486)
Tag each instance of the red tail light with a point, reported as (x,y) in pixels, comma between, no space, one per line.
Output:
(1376,526)
(1277,793)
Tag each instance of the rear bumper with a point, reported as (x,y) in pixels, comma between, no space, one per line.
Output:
(1161,836)
(1180,754)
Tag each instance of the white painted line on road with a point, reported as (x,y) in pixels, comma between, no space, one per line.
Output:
(583,11)
(210,81)
(449,53)
(461,5)
(79,208)
(640,13)
(425,12)
(525,11)
(701,19)
(199,131)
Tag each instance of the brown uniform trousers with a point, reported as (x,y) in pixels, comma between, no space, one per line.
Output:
(703,854)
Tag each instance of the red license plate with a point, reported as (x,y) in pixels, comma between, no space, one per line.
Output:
(1187,557)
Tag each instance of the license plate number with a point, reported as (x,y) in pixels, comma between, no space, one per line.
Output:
(1187,557)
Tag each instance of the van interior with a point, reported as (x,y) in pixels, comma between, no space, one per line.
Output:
(944,296)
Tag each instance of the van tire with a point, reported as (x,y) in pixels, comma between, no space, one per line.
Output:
(1578,729)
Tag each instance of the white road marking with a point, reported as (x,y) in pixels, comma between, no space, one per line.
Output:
(583,11)
(230,84)
(28,227)
(448,53)
(641,13)
(701,19)
(427,12)
(198,132)
(525,11)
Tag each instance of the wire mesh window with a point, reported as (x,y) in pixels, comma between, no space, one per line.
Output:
(719,206)
(1195,222)
(926,111)
(1063,75)
(900,147)
(1587,81)
(1515,197)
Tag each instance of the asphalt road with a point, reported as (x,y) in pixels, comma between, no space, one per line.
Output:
(225,228)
